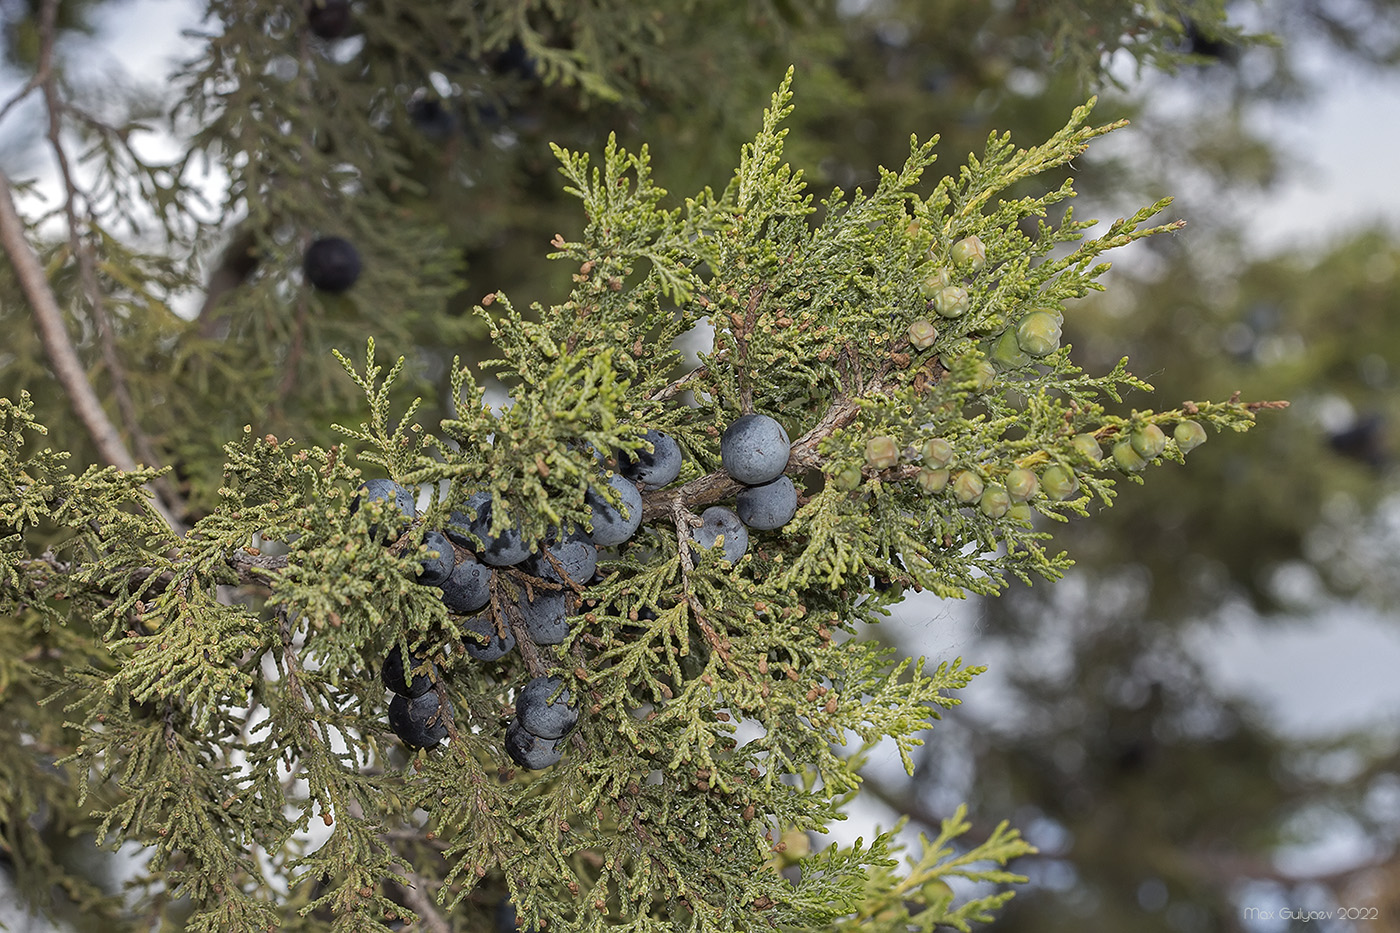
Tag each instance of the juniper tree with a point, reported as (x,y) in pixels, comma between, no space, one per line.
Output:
(215,693)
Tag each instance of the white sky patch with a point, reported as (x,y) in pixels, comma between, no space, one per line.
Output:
(1315,678)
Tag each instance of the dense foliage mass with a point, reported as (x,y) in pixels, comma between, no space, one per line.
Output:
(603,655)
(713,691)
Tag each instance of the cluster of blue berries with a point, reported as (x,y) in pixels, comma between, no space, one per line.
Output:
(543,717)
(754,450)
(462,559)
(460,562)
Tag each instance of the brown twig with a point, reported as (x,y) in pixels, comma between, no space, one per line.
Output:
(48,317)
(87,271)
(68,368)
(238,261)
(293,362)
(720,644)
(674,388)
(29,87)
(416,898)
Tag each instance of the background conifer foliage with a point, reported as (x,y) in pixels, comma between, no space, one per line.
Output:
(313,631)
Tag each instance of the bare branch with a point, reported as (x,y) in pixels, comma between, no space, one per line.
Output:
(48,317)
(236,263)
(29,87)
(62,355)
(82,251)
(416,898)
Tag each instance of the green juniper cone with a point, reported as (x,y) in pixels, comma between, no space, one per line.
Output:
(725,697)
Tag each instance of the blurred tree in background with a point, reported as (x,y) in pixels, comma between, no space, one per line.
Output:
(1160,803)
(1159,800)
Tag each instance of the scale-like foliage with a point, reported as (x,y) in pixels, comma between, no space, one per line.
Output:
(234,719)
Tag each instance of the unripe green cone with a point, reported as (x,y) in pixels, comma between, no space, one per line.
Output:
(881,452)
(1188,436)
(995,502)
(798,845)
(1087,446)
(935,283)
(922,334)
(1022,484)
(984,376)
(932,481)
(951,301)
(1149,441)
(936,892)
(970,252)
(967,486)
(848,479)
(1021,512)
(1038,333)
(937,453)
(1126,458)
(1007,353)
(1059,482)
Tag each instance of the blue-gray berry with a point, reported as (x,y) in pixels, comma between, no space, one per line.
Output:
(754,449)
(657,467)
(546,617)
(529,750)
(417,720)
(395,674)
(612,526)
(391,495)
(576,554)
(489,646)
(771,505)
(716,521)
(468,589)
(472,528)
(542,716)
(506,919)
(438,559)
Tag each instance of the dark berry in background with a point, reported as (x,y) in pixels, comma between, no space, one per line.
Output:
(332,264)
(432,118)
(329,19)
